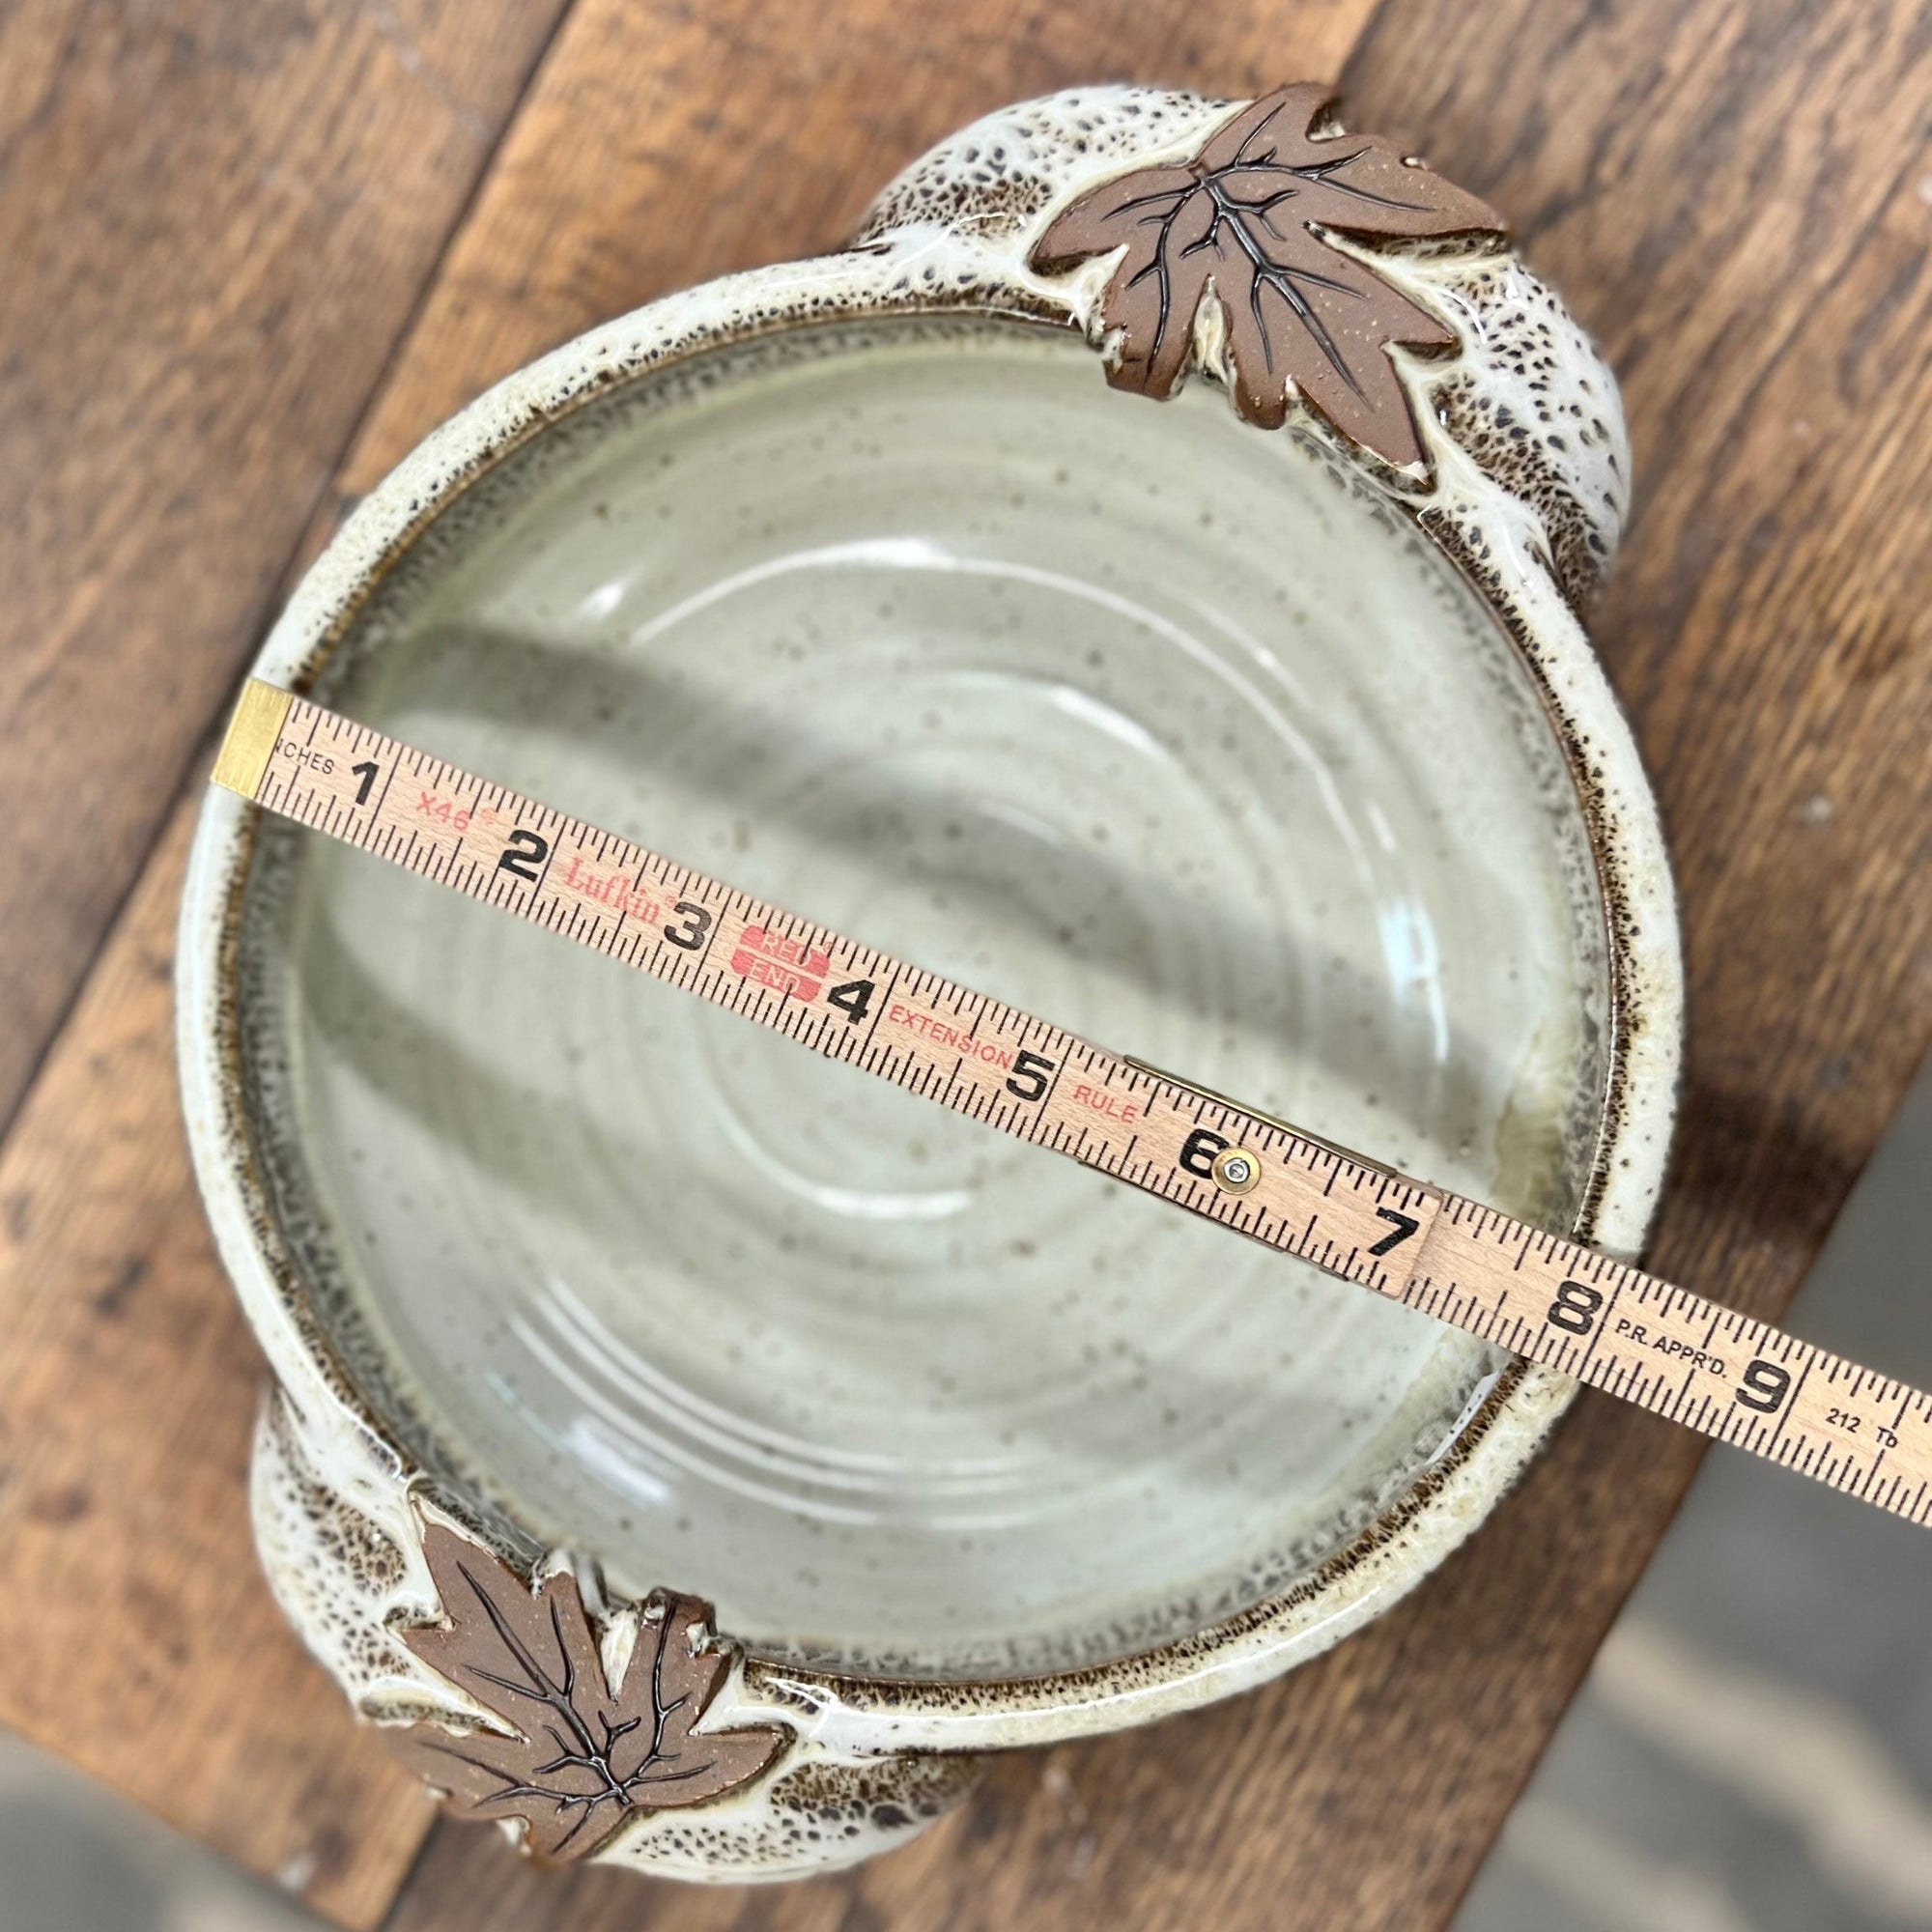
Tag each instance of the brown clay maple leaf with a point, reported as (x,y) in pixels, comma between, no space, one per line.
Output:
(1240,221)
(583,1760)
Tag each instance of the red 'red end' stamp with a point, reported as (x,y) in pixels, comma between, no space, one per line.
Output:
(786,965)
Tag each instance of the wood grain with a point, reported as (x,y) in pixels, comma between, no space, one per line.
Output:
(1731,195)
(216,217)
(136,1636)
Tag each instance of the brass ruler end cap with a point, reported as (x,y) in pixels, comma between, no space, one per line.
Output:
(250,738)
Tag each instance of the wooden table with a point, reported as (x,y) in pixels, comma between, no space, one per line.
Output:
(251,249)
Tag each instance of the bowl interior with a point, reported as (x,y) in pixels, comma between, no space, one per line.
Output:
(1159,726)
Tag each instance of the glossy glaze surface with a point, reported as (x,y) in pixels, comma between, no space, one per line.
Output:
(1120,712)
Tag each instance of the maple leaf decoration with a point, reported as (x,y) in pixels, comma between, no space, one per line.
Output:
(1239,222)
(579,1760)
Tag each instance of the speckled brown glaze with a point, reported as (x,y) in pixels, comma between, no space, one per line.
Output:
(1523,482)
(1550,437)
(991,180)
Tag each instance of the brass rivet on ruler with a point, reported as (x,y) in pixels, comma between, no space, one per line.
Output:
(1235,1170)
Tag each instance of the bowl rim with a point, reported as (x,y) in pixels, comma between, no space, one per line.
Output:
(1511,1413)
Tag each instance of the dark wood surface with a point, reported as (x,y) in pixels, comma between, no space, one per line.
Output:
(137,1636)
(216,219)
(1735,197)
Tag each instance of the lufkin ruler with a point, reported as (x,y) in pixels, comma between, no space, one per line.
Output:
(1611,1326)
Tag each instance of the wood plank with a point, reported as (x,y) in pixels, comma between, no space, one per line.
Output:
(216,219)
(1729,194)
(136,1636)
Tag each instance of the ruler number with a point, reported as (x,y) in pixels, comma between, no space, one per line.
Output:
(696,924)
(1197,1156)
(1576,1307)
(854,999)
(524,855)
(1405,1226)
(1763,1386)
(1029,1076)
(367,771)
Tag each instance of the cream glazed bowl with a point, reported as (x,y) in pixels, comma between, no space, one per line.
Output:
(1256,733)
